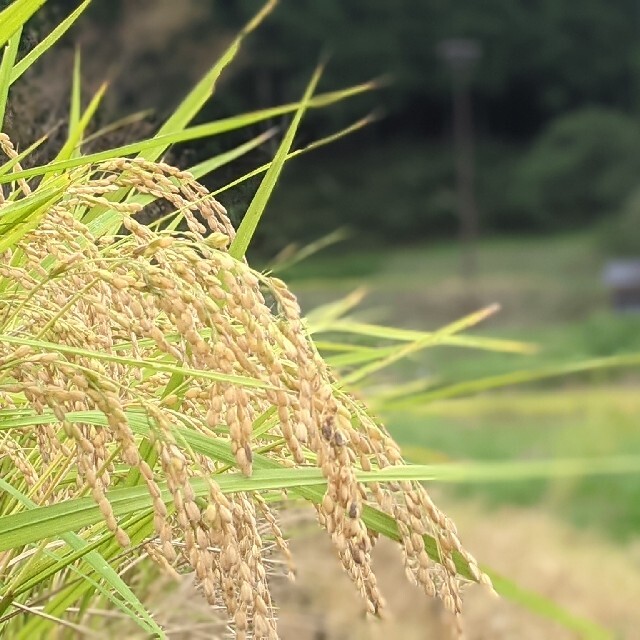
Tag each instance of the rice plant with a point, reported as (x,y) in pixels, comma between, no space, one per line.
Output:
(161,401)
(159,396)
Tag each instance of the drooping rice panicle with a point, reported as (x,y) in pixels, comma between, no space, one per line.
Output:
(179,297)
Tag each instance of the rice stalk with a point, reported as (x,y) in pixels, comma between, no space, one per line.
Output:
(182,304)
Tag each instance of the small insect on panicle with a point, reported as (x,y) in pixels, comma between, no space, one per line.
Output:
(327,427)
(339,439)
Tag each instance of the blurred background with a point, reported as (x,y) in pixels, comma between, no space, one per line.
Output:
(503,166)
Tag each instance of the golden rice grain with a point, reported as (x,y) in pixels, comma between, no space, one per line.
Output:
(181,297)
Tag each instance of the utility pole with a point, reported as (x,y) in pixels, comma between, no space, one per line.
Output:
(461,55)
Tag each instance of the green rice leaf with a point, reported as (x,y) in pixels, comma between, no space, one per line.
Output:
(309,250)
(269,472)
(149,365)
(15,15)
(18,218)
(47,42)
(203,91)
(310,147)
(470,387)
(120,123)
(192,133)
(210,165)
(129,603)
(256,208)
(12,162)
(538,604)
(77,125)
(8,59)
(319,325)
(435,338)
(75,105)
(329,313)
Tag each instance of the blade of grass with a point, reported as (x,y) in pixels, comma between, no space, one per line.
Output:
(375,519)
(329,313)
(437,337)
(368,354)
(194,133)
(470,387)
(281,264)
(359,357)
(53,519)
(340,347)
(515,470)
(18,218)
(77,125)
(203,91)
(256,208)
(538,402)
(121,123)
(15,15)
(75,106)
(101,567)
(325,325)
(152,365)
(547,608)
(216,450)
(206,167)
(269,472)
(401,390)
(310,147)
(12,162)
(8,59)
(47,42)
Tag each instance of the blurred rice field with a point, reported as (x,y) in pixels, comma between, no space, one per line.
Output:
(580,422)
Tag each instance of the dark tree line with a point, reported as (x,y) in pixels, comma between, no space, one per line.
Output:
(556,95)
(540,57)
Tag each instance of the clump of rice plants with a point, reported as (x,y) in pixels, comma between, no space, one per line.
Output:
(132,352)
(161,399)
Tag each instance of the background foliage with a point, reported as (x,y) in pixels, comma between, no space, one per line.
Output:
(542,63)
(547,128)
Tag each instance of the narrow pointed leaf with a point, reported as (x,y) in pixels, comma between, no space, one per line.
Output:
(12,162)
(8,59)
(153,365)
(316,144)
(192,133)
(19,218)
(547,608)
(102,568)
(75,105)
(257,206)
(437,337)
(203,91)
(47,42)
(77,127)
(470,387)
(15,15)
